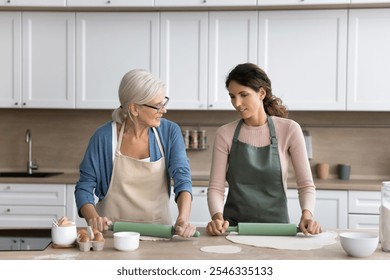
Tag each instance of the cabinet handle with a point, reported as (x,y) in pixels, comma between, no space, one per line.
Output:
(16,103)
(24,104)
(8,210)
(108,2)
(8,188)
(211,106)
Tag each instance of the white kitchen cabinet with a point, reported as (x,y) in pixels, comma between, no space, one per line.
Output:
(110,3)
(48,59)
(363,209)
(368,60)
(108,46)
(31,205)
(33,3)
(201,48)
(305,53)
(200,214)
(331,209)
(300,2)
(203,3)
(184,43)
(233,40)
(10,57)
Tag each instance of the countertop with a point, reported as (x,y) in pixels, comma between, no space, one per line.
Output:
(201,180)
(189,249)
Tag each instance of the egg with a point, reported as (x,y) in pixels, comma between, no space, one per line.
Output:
(84,238)
(98,236)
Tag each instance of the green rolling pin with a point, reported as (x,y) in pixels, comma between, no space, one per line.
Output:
(155,230)
(270,229)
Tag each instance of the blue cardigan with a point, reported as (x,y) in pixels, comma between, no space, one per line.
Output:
(96,166)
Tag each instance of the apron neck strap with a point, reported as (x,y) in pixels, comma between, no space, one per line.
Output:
(271,127)
(272,132)
(155,133)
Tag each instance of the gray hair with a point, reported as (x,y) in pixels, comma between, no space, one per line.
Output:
(137,87)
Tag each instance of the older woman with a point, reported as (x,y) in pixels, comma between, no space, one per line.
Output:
(130,161)
(252,155)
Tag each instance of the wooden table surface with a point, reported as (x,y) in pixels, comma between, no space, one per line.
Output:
(188,249)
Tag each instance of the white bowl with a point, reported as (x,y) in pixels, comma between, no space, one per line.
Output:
(359,244)
(64,235)
(126,240)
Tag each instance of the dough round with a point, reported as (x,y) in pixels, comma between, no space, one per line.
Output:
(221,249)
(299,242)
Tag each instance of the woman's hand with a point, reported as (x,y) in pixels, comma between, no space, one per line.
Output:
(99,223)
(93,219)
(184,229)
(308,225)
(218,225)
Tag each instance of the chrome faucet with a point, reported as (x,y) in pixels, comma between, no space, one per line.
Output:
(30,165)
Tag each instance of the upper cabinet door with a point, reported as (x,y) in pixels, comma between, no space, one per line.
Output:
(10,57)
(203,3)
(300,2)
(304,54)
(108,46)
(233,40)
(48,60)
(184,45)
(110,3)
(369,60)
(33,3)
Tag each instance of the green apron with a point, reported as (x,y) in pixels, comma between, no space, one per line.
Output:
(256,192)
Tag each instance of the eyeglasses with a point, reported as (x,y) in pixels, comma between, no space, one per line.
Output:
(160,106)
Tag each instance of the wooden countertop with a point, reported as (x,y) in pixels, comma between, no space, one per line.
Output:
(201,180)
(189,249)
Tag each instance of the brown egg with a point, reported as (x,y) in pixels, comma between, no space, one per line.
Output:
(84,238)
(98,236)
(82,231)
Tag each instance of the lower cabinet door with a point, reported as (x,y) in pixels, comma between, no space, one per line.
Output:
(331,208)
(29,216)
(362,221)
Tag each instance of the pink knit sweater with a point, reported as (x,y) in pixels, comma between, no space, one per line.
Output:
(291,145)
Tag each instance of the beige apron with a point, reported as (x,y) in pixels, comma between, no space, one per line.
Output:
(138,190)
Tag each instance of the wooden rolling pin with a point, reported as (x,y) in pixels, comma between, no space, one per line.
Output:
(270,229)
(155,230)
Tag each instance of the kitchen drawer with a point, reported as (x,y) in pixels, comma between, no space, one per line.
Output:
(29,216)
(361,221)
(364,202)
(32,194)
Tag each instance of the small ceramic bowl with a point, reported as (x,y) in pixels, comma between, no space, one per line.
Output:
(126,240)
(359,244)
(64,235)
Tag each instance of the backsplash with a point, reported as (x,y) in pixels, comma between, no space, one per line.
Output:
(60,138)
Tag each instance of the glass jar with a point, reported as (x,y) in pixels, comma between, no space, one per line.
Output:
(384,222)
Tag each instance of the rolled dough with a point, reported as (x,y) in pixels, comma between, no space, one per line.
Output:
(221,249)
(298,242)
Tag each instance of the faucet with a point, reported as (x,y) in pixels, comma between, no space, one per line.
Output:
(30,165)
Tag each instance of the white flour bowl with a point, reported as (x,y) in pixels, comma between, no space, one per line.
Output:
(359,244)
(126,240)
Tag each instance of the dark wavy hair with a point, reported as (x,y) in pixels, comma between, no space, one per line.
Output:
(251,75)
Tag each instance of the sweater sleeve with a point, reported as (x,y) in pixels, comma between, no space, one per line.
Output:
(95,168)
(302,170)
(221,150)
(177,162)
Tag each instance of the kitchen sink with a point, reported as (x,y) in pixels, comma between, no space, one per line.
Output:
(33,175)
(24,239)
